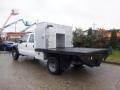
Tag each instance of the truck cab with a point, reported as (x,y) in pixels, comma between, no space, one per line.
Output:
(26,45)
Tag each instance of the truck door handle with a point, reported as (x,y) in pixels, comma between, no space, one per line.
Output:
(33,46)
(26,45)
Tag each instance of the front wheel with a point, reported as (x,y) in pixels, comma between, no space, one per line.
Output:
(15,54)
(53,66)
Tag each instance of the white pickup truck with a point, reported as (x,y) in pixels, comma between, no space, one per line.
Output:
(53,42)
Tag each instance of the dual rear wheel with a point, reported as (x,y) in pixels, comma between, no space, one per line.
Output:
(53,66)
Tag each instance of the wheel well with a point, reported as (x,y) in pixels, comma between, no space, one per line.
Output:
(48,55)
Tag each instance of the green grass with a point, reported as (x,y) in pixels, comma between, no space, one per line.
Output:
(114,57)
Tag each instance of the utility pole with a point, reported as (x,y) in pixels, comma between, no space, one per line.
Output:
(93,26)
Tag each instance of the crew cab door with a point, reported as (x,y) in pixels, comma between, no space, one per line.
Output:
(22,46)
(30,45)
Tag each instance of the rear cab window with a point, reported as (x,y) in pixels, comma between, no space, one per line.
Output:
(31,39)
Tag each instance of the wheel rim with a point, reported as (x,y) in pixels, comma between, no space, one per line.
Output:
(52,66)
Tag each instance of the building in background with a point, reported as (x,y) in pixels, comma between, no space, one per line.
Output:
(12,36)
(109,32)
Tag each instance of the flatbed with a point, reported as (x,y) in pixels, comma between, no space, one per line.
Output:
(72,50)
(78,56)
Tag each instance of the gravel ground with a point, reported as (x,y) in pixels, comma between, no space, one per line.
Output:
(26,74)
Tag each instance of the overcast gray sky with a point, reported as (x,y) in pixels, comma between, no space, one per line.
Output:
(82,13)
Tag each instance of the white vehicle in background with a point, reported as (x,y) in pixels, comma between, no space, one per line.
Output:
(53,42)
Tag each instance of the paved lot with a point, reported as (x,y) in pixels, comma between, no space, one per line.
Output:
(27,74)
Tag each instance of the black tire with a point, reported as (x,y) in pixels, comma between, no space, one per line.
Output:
(53,66)
(15,54)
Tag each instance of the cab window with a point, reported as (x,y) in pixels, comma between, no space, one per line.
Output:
(31,39)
